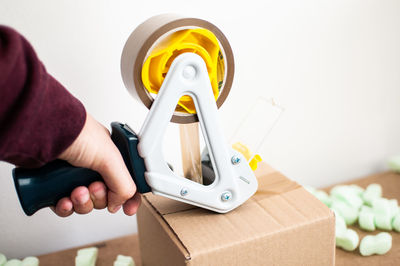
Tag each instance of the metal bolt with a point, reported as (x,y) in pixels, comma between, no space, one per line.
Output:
(184,191)
(189,72)
(226,196)
(235,160)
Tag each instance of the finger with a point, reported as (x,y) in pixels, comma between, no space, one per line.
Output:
(131,206)
(98,194)
(113,197)
(64,207)
(116,176)
(81,200)
(105,159)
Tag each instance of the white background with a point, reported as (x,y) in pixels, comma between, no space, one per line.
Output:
(333,65)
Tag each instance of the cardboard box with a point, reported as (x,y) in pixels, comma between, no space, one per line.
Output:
(282,224)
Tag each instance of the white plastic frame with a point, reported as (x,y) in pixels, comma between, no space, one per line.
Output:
(188,76)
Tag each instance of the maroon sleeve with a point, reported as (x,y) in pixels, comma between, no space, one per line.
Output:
(39,118)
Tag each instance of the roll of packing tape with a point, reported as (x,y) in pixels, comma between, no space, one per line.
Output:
(143,40)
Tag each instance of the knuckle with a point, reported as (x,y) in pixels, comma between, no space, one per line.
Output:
(98,188)
(127,193)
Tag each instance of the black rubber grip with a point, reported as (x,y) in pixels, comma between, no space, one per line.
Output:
(43,187)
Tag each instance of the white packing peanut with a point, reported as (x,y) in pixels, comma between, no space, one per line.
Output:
(394,207)
(377,244)
(357,189)
(13,262)
(124,261)
(383,222)
(3,259)
(86,257)
(347,240)
(91,250)
(381,206)
(366,208)
(373,191)
(382,212)
(348,195)
(394,163)
(349,213)
(340,224)
(30,261)
(320,195)
(396,222)
(324,197)
(366,220)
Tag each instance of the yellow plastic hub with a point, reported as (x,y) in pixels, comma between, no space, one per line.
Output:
(200,41)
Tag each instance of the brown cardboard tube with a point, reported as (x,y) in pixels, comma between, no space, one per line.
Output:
(142,39)
(190,150)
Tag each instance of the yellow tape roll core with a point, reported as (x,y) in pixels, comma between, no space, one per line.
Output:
(146,37)
(200,41)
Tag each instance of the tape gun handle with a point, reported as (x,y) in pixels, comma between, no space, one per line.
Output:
(43,187)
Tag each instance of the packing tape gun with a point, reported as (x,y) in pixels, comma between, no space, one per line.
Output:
(166,59)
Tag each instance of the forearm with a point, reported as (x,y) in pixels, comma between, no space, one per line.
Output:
(39,118)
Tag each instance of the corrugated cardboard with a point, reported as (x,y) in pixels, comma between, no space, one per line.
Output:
(282,224)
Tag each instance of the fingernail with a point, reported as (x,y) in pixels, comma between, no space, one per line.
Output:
(116,208)
(66,209)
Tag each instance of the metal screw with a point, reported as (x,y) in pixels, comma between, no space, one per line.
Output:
(235,160)
(184,191)
(226,196)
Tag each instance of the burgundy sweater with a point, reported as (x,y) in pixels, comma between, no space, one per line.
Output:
(39,118)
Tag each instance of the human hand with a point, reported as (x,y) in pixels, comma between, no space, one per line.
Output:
(94,149)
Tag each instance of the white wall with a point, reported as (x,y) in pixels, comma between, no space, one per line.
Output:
(333,65)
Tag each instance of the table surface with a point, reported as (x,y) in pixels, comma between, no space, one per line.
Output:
(129,245)
(108,251)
